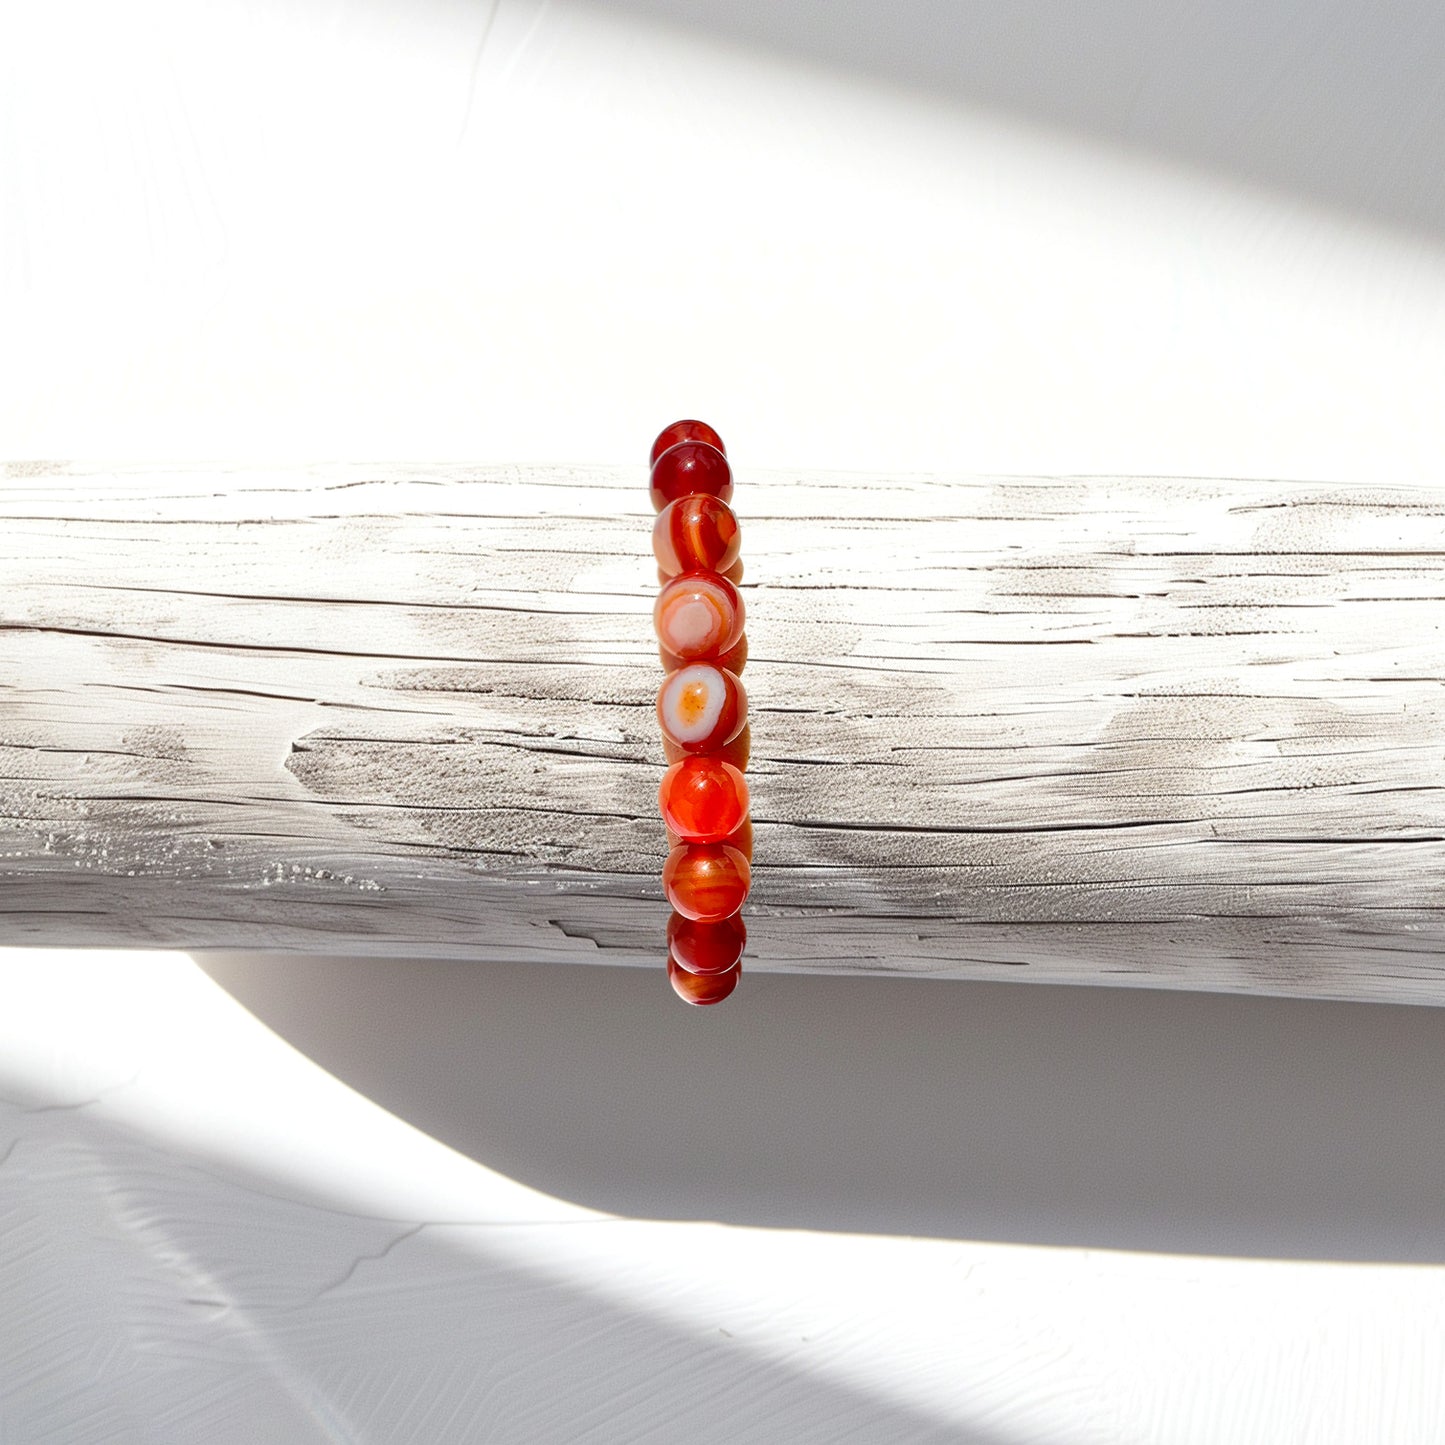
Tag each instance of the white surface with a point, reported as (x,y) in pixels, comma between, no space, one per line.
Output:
(1202,239)
(209,1238)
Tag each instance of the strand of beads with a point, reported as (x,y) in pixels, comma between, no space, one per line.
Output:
(702,710)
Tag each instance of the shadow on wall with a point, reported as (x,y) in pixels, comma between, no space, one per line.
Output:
(1114,1118)
(1340,104)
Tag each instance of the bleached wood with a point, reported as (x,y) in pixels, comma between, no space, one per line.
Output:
(1144,731)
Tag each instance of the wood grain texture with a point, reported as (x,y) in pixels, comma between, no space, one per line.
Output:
(1150,731)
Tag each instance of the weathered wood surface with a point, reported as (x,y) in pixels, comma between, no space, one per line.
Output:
(1142,731)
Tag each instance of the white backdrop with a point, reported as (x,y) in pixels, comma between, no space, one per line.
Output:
(1201,239)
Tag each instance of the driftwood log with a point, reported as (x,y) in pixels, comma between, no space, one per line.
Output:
(1144,731)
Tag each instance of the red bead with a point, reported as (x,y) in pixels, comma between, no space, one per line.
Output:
(690,467)
(703,799)
(698,532)
(699,988)
(701,707)
(684,431)
(706,881)
(706,948)
(698,616)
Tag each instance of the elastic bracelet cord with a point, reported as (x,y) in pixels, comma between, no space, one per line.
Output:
(702,710)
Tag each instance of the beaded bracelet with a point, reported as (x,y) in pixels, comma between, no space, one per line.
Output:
(702,709)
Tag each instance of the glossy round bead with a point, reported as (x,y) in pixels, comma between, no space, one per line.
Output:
(698,616)
(734,659)
(702,988)
(703,799)
(706,881)
(684,431)
(690,467)
(706,948)
(702,707)
(695,533)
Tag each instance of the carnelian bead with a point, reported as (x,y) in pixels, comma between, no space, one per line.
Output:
(702,988)
(706,880)
(698,615)
(684,431)
(703,799)
(706,948)
(690,467)
(698,532)
(702,707)
(734,659)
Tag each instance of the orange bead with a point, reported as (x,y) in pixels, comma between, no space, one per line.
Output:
(701,988)
(706,881)
(698,616)
(703,799)
(684,431)
(696,533)
(702,707)
(706,948)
